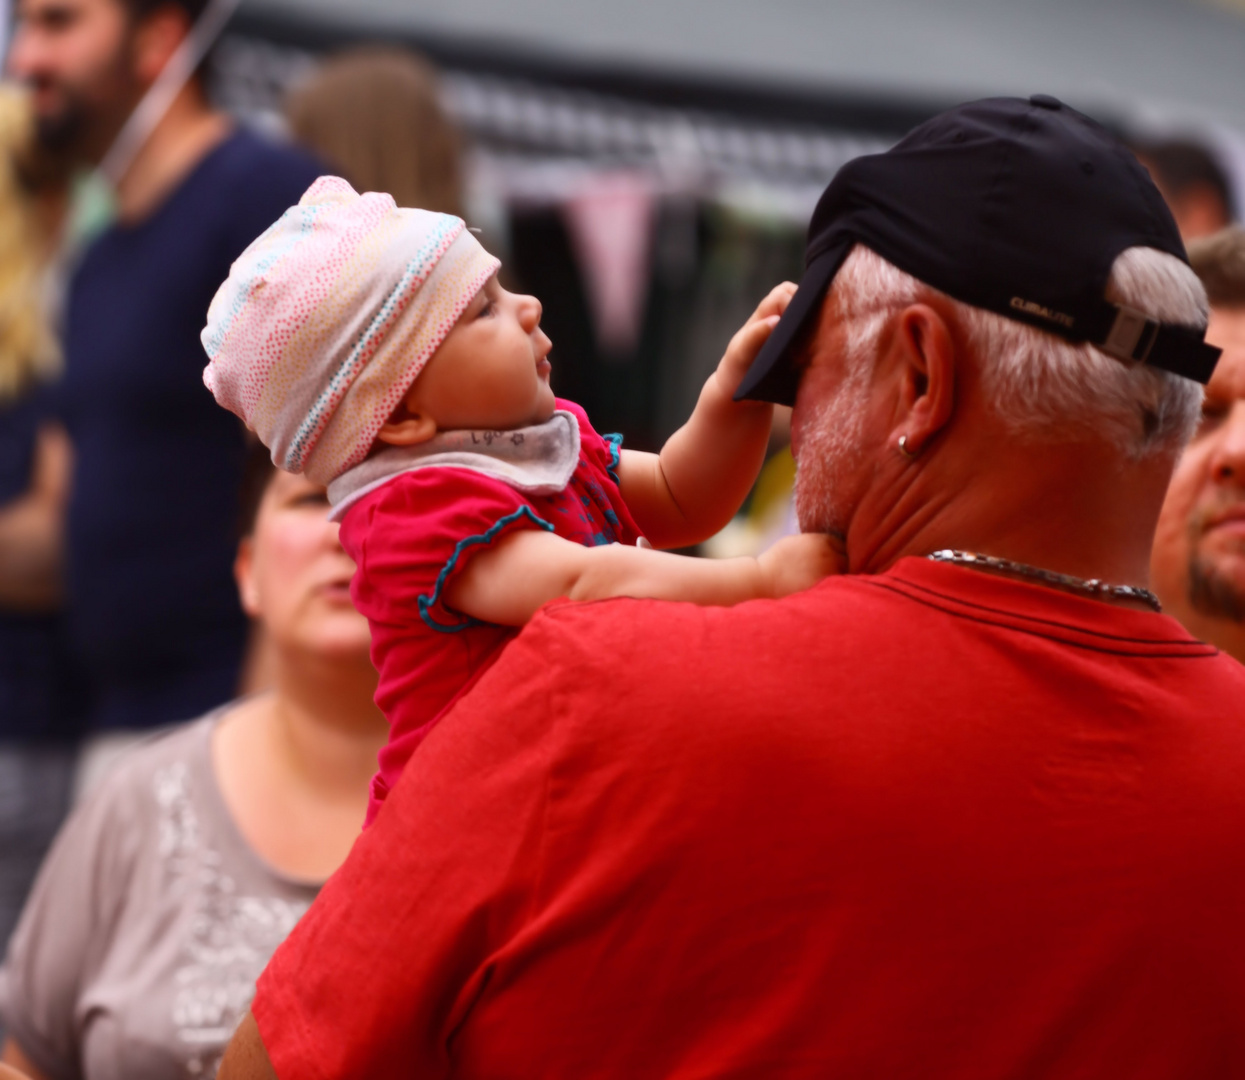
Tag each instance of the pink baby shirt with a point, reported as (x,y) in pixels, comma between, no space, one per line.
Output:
(415,521)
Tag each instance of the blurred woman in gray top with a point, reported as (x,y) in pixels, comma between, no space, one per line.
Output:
(169,888)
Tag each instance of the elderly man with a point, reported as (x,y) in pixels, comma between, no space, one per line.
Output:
(1198,563)
(971,810)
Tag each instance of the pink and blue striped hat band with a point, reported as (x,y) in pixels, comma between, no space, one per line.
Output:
(327,319)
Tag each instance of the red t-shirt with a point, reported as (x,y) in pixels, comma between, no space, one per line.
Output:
(930,823)
(411,536)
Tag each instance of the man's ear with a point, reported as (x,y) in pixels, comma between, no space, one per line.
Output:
(407,428)
(925,349)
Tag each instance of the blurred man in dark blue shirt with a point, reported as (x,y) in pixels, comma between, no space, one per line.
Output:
(150,533)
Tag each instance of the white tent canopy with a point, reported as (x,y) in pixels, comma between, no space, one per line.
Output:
(1175,62)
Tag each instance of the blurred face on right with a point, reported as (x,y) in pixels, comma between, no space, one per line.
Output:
(75,57)
(1198,564)
(294,577)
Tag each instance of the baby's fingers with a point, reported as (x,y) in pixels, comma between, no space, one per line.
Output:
(751,336)
(776,302)
(799,562)
(743,350)
(820,554)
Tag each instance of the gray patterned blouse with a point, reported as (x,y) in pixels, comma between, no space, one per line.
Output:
(138,950)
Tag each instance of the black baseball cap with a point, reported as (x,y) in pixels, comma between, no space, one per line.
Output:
(1018,207)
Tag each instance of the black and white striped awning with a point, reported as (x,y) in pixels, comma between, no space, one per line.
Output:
(536,142)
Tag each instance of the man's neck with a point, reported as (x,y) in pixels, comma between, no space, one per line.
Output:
(185,135)
(1067,507)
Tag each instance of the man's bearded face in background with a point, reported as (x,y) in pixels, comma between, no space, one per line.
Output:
(1216,577)
(76,58)
(1198,565)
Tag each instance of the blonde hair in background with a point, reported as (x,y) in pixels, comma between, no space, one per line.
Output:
(28,349)
(1219,261)
(374,114)
(1037,382)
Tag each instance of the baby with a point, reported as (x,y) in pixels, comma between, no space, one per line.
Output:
(372,348)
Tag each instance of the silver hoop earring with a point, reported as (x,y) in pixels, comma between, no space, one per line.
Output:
(903,448)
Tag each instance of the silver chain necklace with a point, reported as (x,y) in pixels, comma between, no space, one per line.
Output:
(1091,587)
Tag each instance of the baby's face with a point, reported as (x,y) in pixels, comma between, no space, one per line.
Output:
(492,370)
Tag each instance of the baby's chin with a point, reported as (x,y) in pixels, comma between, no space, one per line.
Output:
(546,408)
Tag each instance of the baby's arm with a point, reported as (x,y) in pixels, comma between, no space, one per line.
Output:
(696,484)
(509,583)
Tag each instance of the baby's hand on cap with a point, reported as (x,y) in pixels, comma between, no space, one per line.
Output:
(747,342)
(798,562)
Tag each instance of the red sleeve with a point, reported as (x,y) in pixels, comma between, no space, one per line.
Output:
(412,536)
(601,450)
(379,974)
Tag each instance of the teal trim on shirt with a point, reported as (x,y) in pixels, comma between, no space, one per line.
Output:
(427,603)
(615,442)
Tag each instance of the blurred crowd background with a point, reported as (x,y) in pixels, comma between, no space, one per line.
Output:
(647,170)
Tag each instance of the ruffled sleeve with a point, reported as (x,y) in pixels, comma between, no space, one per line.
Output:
(411,538)
(601,451)
(597,477)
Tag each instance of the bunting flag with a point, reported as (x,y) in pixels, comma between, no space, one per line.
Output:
(610,220)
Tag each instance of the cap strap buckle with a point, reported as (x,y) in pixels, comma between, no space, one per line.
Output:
(1132,335)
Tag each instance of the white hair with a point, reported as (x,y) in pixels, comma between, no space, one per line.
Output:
(1041,384)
